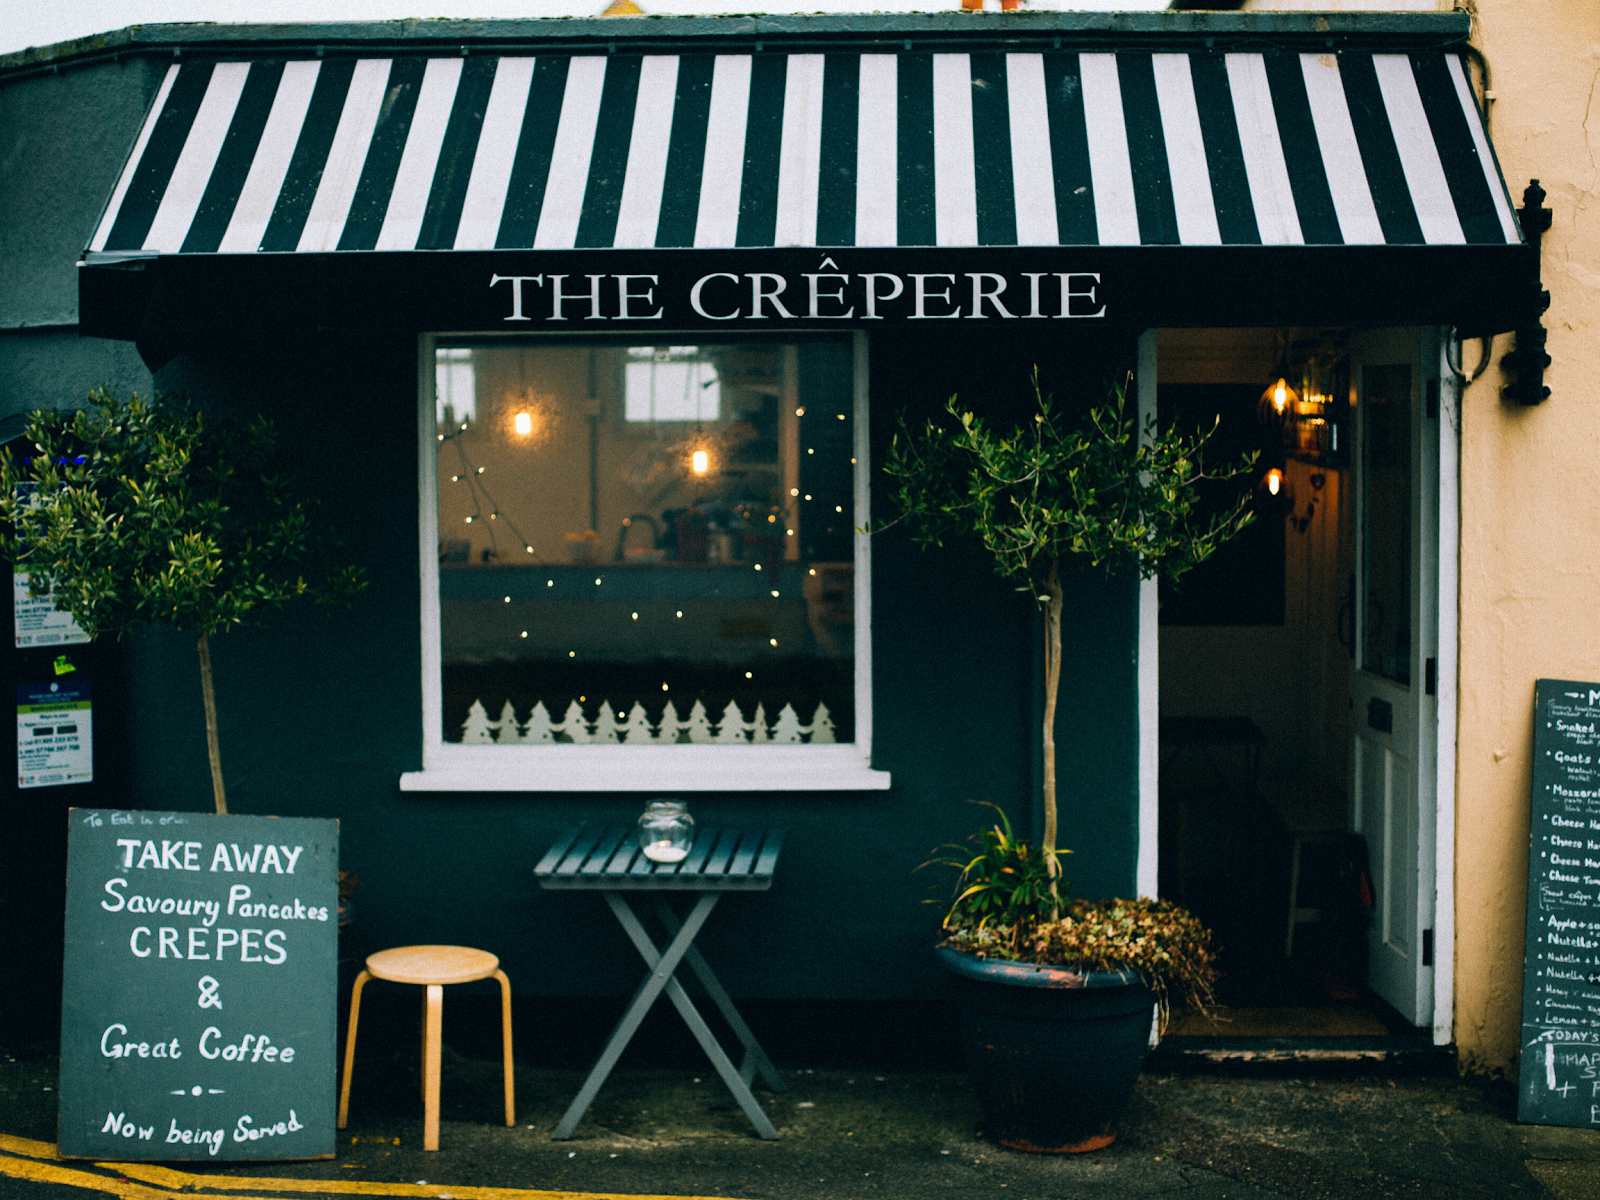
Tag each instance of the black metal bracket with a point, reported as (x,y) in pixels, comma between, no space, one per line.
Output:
(1526,360)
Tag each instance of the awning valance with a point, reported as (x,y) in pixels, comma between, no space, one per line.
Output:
(556,152)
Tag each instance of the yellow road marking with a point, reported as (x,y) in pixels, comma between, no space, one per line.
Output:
(178,1181)
(21,1168)
(27,1147)
(166,1177)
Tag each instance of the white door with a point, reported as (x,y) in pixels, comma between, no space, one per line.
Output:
(1394,673)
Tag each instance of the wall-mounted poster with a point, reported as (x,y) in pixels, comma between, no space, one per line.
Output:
(38,621)
(199,986)
(55,733)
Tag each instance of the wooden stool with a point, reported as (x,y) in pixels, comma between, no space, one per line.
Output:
(431,967)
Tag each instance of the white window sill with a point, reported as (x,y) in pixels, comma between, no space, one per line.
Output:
(454,768)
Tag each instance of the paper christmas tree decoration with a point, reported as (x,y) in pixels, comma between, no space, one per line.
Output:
(475,729)
(787,731)
(760,733)
(507,731)
(822,726)
(539,729)
(573,725)
(606,727)
(731,732)
(671,724)
(638,729)
(699,725)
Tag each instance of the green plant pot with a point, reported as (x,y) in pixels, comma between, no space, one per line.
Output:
(1054,1053)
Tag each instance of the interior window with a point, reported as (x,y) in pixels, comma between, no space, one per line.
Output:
(646,545)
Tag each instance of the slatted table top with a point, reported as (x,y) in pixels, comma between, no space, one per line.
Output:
(608,858)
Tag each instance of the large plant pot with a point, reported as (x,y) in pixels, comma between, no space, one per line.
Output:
(1054,1053)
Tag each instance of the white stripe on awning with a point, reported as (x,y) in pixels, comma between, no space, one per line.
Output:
(1341,153)
(723,175)
(877,151)
(189,177)
(1186,151)
(408,203)
(1031,176)
(800,152)
(569,161)
(347,156)
(1115,213)
(114,206)
(640,209)
(497,150)
(262,185)
(234,162)
(1480,143)
(955,196)
(1419,157)
(1262,147)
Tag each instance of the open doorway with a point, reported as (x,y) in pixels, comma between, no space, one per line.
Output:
(1297,683)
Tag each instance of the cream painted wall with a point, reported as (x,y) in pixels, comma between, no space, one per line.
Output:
(1530,527)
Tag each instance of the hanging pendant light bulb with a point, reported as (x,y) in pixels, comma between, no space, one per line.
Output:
(1280,397)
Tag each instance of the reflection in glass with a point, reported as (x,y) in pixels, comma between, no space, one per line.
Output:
(646,545)
(1386,521)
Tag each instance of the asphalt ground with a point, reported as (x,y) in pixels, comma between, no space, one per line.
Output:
(857,1136)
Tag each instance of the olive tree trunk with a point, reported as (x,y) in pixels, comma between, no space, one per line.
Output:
(213,747)
(1052,685)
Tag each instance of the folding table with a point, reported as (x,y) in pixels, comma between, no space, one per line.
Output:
(608,860)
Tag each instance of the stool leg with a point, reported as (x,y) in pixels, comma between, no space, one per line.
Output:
(505,1041)
(350,1048)
(430,1067)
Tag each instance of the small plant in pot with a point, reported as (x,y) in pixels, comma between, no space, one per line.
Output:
(1059,995)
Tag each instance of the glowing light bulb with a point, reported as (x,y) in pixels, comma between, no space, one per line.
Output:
(523,423)
(1280,396)
(663,687)
(701,462)
(747,675)
(1274,481)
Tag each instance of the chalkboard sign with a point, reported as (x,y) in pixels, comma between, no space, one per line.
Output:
(1560,1076)
(198,1004)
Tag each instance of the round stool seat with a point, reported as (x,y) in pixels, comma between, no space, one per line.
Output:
(432,964)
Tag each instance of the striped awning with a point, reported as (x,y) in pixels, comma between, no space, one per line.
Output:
(722,151)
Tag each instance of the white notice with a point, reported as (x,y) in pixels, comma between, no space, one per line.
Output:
(55,736)
(38,621)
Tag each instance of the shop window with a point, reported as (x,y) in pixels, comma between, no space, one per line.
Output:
(642,568)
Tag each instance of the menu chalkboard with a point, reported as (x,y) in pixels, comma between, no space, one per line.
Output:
(198,1003)
(1560,1075)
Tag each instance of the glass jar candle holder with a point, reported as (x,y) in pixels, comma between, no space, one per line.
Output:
(666,831)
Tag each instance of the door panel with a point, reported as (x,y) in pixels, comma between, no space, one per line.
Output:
(1394,721)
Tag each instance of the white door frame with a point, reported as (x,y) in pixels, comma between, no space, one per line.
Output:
(1448,560)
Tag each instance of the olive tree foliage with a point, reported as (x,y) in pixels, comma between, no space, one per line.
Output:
(1099,491)
(135,512)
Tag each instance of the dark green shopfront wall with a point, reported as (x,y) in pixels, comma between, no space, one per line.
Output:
(320,714)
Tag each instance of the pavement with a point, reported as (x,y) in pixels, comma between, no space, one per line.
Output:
(848,1135)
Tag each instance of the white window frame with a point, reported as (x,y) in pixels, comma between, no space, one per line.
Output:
(453,767)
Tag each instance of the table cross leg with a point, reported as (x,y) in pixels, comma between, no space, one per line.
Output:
(737,1083)
(755,1058)
(658,979)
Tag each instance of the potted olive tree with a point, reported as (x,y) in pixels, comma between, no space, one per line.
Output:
(136,512)
(1059,995)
